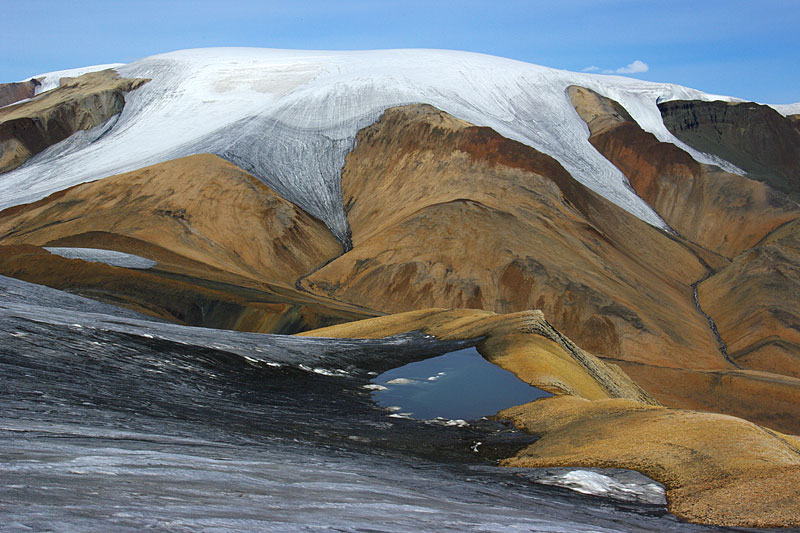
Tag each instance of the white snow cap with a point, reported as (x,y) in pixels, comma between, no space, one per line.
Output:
(290,117)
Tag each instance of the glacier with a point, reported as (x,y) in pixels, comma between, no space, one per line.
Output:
(291,117)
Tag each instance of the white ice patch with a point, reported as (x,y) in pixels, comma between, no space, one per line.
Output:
(374,386)
(401,381)
(290,117)
(787,109)
(619,484)
(109,257)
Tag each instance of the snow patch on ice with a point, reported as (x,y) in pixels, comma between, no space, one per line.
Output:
(614,483)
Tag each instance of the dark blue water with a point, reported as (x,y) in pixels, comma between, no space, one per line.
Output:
(457,385)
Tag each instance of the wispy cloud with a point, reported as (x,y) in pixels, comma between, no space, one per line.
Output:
(632,68)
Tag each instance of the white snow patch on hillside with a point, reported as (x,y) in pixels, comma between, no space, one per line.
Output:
(787,109)
(290,118)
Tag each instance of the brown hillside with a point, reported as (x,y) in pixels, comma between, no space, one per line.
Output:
(754,302)
(445,214)
(199,207)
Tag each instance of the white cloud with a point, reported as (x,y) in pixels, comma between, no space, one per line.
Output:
(636,67)
(633,68)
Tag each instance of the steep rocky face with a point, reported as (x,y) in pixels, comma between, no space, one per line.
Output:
(78,104)
(754,302)
(199,207)
(722,212)
(14,92)
(754,137)
(445,214)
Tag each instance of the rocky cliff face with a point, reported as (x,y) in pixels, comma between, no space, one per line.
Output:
(754,137)
(78,104)
(14,92)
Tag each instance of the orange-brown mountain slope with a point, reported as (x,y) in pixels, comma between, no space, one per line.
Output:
(205,221)
(79,103)
(446,214)
(722,212)
(754,303)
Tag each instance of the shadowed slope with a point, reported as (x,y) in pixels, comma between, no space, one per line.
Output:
(14,92)
(445,214)
(177,292)
(228,249)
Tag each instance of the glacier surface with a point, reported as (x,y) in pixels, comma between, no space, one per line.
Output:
(291,117)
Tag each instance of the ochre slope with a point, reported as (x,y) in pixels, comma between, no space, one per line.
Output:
(717,469)
(754,303)
(199,207)
(445,214)
(722,212)
(79,103)
(767,399)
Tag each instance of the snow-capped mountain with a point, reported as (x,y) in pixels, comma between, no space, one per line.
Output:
(290,117)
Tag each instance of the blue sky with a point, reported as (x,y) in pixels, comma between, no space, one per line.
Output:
(749,49)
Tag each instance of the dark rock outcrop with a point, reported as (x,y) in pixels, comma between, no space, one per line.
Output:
(14,92)
(754,137)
